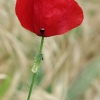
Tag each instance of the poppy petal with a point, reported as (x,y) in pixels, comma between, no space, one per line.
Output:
(56,17)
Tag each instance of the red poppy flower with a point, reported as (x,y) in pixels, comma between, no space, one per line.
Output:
(56,17)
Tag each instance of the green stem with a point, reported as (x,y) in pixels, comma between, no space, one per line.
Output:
(30,91)
(34,74)
(41,46)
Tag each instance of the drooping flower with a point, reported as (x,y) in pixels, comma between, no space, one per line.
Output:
(56,17)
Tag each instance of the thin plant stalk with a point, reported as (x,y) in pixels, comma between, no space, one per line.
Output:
(34,74)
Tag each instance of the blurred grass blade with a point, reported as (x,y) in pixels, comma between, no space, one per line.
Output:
(84,79)
(4,87)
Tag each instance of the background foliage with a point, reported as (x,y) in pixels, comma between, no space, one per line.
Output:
(71,65)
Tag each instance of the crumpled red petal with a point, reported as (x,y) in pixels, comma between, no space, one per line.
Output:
(55,16)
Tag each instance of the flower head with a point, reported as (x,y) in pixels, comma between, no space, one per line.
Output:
(56,17)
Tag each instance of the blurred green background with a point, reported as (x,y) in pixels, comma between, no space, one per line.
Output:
(71,66)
